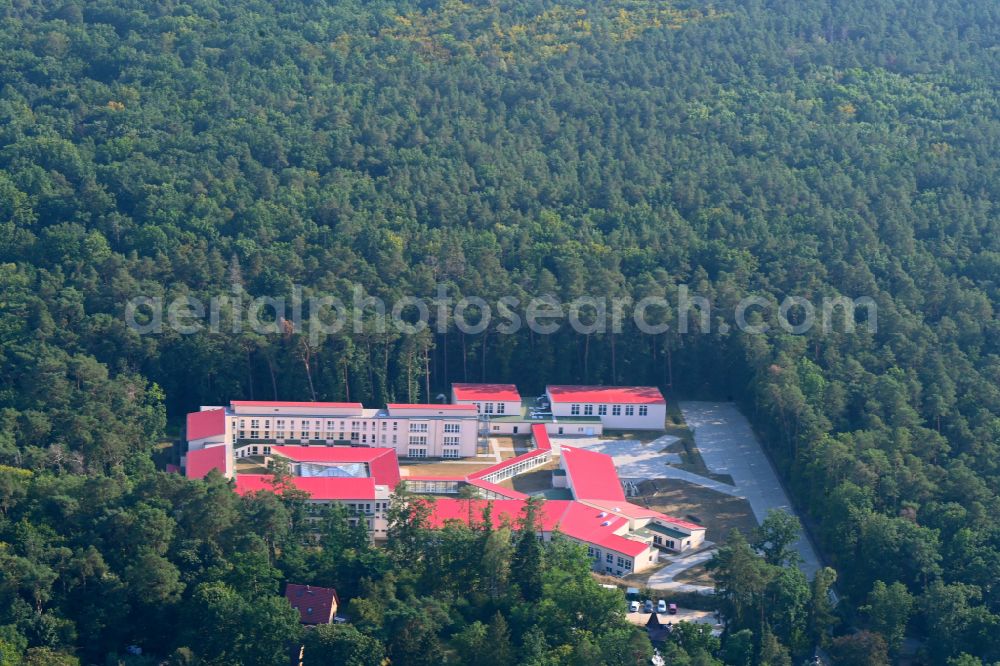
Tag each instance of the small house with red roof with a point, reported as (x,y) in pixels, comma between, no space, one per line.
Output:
(316,605)
(491,399)
(617,407)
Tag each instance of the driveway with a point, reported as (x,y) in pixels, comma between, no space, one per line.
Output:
(664,578)
(729,446)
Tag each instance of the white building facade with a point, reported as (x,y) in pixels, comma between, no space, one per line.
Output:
(618,407)
(414,431)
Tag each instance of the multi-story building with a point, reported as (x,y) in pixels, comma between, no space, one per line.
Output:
(618,407)
(252,428)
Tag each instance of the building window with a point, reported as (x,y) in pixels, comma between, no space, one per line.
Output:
(418,427)
(643,410)
(574,410)
(610,558)
(450,453)
(418,440)
(501,408)
(588,410)
(254,434)
(451,441)
(602,410)
(417,453)
(629,410)
(254,424)
(488,407)
(385,424)
(616,410)
(451,427)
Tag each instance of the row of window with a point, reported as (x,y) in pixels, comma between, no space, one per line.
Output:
(421,452)
(280,425)
(488,408)
(602,410)
(623,563)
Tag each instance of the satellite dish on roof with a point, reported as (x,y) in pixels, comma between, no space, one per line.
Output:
(441,397)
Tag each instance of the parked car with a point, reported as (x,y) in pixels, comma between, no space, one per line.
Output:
(673,609)
(633,606)
(648,606)
(661,606)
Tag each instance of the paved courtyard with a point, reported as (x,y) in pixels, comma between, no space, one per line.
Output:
(728,445)
(635,460)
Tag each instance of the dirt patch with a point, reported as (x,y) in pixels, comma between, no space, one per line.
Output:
(719,513)
(535,481)
(509,446)
(443,468)
(251,465)
(696,575)
(644,436)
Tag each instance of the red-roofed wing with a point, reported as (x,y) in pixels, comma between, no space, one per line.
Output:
(592,475)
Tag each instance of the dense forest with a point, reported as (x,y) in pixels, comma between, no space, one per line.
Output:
(498,148)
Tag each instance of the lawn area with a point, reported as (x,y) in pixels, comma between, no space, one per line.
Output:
(509,446)
(719,513)
(251,465)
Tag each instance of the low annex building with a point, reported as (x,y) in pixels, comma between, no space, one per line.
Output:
(620,407)
(564,409)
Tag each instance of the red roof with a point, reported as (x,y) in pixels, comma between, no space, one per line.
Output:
(574,519)
(541,436)
(316,605)
(203,461)
(588,524)
(498,392)
(509,510)
(319,488)
(207,423)
(592,475)
(278,403)
(636,395)
(633,511)
(382,463)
